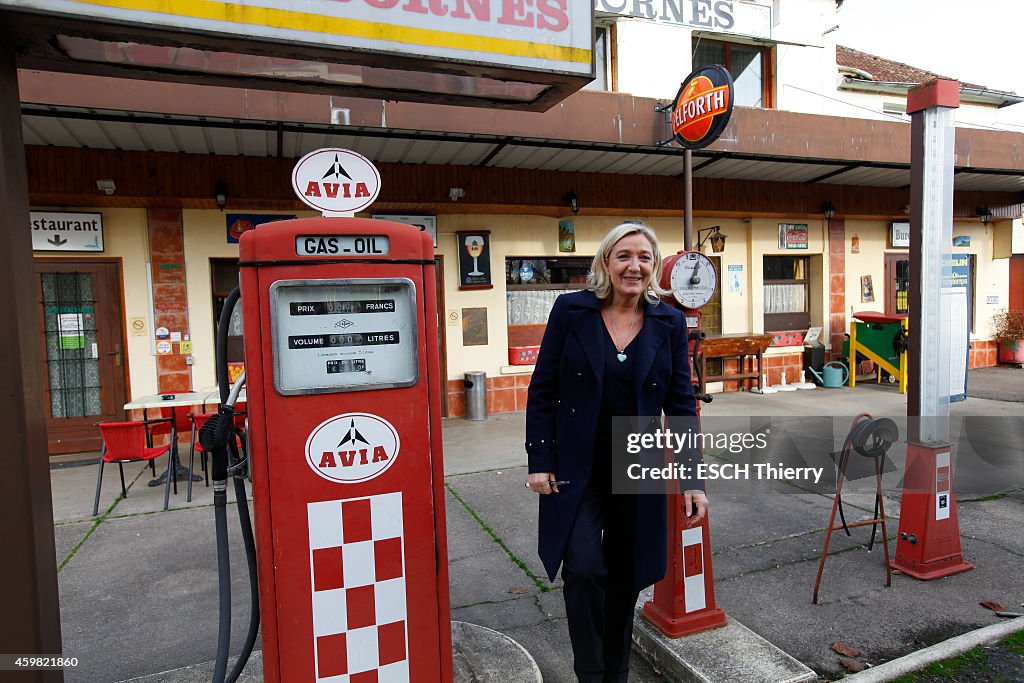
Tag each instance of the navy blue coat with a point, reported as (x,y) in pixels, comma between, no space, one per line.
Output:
(563,410)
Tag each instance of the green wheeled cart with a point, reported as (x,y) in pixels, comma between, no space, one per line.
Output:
(881,339)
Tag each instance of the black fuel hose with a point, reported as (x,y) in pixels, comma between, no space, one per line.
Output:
(245,522)
(219,435)
(223,376)
(223,579)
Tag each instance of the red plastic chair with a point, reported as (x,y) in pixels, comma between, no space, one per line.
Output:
(198,420)
(127,442)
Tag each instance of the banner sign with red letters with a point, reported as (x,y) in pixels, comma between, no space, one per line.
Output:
(534,35)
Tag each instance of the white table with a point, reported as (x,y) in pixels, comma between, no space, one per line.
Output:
(182,400)
(191,398)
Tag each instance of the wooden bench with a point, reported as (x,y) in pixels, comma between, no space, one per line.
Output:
(733,346)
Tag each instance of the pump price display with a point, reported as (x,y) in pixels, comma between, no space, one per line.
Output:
(331,307)
(344,334)
(325,341)
(348,365)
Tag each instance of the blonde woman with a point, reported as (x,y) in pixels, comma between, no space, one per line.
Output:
(612,350)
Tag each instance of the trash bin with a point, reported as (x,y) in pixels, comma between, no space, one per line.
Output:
(476,395)
(814,361)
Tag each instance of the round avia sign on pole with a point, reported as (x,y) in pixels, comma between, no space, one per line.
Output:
(336,182)
(702,106)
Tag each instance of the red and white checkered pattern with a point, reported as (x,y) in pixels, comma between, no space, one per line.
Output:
(357,565)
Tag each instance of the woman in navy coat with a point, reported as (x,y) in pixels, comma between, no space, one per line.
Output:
(612,350)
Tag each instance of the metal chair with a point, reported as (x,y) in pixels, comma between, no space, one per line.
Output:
(198,420)
(173,421)
(127,442)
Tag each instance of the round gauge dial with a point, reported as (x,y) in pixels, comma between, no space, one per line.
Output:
(693,279)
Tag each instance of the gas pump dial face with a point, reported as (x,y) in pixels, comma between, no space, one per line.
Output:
(693,279)
(344,334)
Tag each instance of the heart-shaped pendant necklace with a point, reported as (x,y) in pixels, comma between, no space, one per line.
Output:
(621,348)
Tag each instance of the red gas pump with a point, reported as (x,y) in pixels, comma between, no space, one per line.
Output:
(684,601)
(340,325)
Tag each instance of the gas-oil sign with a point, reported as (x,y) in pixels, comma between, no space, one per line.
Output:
(702,106)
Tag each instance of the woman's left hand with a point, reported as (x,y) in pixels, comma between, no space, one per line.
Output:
(695,505)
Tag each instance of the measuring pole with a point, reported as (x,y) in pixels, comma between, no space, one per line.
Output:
(928,546)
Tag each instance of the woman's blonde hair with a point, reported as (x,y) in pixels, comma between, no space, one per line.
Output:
(600,281)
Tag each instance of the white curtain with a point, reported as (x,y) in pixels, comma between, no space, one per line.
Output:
(787,298)
(531,307)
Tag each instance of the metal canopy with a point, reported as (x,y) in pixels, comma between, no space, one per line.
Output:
(120,130)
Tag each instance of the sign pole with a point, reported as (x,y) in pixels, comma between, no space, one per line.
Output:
(688,200)
(684,600)
(31,623)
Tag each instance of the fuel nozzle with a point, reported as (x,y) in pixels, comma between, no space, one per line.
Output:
(214,436)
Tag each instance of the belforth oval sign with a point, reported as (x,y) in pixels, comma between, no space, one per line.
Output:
(336,181)
(702,106)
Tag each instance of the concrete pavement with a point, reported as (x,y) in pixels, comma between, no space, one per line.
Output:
(138,585)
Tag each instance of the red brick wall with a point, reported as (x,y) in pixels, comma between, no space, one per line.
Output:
(170,299)
(837,284)
(774,366)
(982,354)
(508,393)
(505,394)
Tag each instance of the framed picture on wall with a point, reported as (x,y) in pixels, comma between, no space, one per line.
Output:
(474,249)
(792,235)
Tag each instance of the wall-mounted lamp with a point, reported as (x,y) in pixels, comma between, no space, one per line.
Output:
(456,193)
(106,186)
(220,194)
(573,201)
(716,236)
(984,213)
(828,210)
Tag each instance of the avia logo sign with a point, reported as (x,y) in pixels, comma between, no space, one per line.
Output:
(336,182)
(702,106)
(352,448)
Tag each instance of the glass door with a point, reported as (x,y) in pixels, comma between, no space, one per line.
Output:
(80,312)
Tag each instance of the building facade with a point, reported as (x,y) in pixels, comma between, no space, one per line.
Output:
(810,183)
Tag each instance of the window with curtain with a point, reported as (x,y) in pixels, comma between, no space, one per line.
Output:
(786,291)
(748,64)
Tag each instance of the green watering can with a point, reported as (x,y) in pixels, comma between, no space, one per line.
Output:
(835,374)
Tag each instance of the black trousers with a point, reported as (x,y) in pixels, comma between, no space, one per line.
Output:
(598,573)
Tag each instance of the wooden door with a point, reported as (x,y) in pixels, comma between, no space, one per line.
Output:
(82,342)
(897,283)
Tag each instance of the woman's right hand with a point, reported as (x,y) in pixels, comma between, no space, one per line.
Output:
(541,482)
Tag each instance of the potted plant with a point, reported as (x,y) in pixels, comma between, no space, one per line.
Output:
(1008,330)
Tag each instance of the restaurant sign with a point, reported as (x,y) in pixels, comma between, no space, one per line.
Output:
(702,106)
(66,231)
(546,35)
(736,17)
